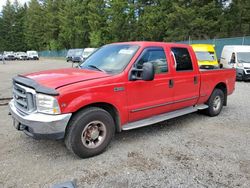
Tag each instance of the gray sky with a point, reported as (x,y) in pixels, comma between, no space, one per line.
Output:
(3,2)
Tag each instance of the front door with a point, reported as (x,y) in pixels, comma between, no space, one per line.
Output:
(147,98)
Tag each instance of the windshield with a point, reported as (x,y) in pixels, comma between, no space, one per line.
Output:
(87,53)
(205,56)
(243,57)
(111,58)
(78,52)
(9,53)
(70,53)
(33,53)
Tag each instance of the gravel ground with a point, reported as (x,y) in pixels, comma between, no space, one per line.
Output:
(189,151)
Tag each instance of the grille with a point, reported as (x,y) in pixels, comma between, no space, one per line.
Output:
(23,98)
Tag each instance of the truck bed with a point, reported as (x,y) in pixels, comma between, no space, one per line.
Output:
(212,77)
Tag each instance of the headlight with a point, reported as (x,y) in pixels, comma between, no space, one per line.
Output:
(47,104)
(240,65)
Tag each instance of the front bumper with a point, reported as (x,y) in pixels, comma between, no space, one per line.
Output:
(23,58)
(77,59)
(38,125)
(242,74)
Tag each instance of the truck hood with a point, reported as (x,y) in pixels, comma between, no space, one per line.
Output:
(61,77)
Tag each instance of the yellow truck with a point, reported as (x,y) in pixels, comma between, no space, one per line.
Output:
(205,54)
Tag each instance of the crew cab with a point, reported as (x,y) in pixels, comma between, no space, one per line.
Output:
(122,86)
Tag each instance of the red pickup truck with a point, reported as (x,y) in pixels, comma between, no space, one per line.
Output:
(121,86)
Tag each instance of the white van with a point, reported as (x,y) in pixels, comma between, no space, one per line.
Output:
(32,55)
(82,54)
(237,56)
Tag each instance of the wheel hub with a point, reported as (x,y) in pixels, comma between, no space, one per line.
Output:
(94,134)
(217,103)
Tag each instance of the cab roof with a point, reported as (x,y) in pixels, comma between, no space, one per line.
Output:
(203,47)
(152,43)
(237,48)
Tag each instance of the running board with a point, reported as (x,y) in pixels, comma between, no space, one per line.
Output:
(201,106)
(162,117)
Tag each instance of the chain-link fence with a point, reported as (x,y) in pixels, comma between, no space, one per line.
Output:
(220,43)
(53,53)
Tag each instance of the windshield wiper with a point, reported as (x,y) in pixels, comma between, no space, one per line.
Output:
(95,67)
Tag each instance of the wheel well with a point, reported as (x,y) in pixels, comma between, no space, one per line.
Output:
(222,86)
(111,110)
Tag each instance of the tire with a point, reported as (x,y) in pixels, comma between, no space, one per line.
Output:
(89,132)
(215,103)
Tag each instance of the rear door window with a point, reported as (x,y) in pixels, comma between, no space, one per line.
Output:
(182,59)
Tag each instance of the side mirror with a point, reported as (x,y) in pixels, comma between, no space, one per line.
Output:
(148,72)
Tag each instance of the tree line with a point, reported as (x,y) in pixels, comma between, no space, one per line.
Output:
(65,24)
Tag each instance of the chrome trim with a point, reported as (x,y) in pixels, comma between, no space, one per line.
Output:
(38,123)
(163,104)
(117,89)
(158,118)
(175,64)
(245,70)
(163,117)
(27,102)
(27,89)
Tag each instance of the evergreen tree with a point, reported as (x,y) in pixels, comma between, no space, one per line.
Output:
(97,20)
(8,27)
(52,24)
(35,26)
(74,27)
(59,24)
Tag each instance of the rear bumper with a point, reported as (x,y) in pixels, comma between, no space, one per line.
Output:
(38,125)
(33,58)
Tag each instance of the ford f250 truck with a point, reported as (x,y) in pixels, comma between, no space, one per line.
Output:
(122,86)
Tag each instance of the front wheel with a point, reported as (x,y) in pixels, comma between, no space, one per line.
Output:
(89,132)
(215,103)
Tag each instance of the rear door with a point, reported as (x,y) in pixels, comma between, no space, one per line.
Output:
(186,79)
(148,98)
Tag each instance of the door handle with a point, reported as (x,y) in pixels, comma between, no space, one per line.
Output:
(171,83)
(195,79)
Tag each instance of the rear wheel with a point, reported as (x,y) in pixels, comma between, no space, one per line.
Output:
(89,132)
(215,103)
